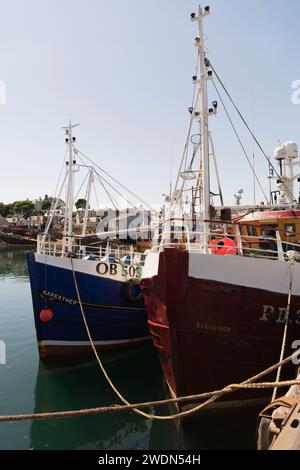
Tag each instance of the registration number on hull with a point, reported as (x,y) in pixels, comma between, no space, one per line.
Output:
(278,315)
(113,269)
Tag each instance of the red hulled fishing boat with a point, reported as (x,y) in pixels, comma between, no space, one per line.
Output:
(216,281)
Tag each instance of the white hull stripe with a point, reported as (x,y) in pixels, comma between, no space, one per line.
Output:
(255,273)
(243,271)
(81,266)
(87,343)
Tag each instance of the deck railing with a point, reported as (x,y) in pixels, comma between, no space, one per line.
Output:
(76,250)
(214,242)
(180,233)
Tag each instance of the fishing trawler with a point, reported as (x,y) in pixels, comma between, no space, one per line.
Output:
(107,278)
(217,278)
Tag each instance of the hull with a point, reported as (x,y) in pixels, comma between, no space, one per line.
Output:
(115,319)
(210,332)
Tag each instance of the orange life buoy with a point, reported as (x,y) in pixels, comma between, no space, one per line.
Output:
(212,245)
(223,246)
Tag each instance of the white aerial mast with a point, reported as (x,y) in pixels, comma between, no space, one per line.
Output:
(204,114)
(287,157)
(71,168)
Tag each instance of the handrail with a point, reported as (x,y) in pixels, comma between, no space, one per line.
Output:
(190,241)
(52,248)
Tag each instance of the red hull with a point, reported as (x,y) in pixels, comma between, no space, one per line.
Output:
(210,334)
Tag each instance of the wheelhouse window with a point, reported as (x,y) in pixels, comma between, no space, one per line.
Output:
(269,230)
(251,229)
(290,230)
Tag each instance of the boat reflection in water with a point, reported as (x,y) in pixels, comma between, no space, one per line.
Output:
(138,376)
(12,264)
(136,372)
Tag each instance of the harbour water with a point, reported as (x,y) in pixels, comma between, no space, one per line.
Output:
(27,386)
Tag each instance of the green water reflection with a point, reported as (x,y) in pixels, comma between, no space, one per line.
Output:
(136,373)
(27,386)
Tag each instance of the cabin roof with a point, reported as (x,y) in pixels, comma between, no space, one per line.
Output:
(267,216)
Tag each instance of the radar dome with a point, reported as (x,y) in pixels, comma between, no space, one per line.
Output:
(280,152)
(292,150)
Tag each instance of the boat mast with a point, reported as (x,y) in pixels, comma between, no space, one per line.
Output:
(204,169)
(204,118)
(71,168)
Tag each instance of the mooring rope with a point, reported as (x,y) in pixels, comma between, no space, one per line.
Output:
(292,261)
(114,388)
(122,408)
(181,414)
(210,396)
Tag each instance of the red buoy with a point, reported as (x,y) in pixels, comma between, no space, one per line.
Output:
(212,246)
(223,246)
(46,315)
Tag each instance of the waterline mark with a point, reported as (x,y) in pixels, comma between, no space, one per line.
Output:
(2,353)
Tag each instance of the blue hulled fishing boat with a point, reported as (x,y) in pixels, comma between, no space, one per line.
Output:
(106,276)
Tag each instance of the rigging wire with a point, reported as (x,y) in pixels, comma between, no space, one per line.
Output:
(100,179)
(102,184)
(81,186)
(250,131)
(116,181)
(107,193)
(59,177)
(239,140)
(183,162)
(114,189)
(96,195)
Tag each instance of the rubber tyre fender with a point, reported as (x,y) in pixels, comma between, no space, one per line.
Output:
(128,288)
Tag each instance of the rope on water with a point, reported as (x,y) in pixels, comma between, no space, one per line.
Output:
(195,409)
(114,388)
(210,396)
(122,408)
(292,261)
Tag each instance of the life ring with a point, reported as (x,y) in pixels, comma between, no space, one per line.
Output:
(223,246)
(212,246)
(132,290)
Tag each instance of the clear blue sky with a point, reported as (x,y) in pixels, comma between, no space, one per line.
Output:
(123,68)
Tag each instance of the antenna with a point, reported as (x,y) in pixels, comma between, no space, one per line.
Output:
(238,196)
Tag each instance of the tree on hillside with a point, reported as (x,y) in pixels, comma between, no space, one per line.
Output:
(23,208)
(45,204)
(5,209)
(80,204)
(2,209)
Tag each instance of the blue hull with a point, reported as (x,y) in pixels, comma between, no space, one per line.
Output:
(114,319)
